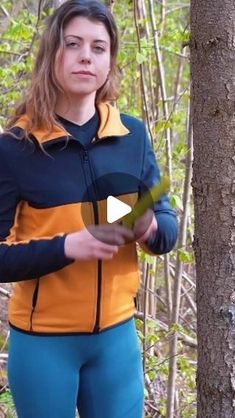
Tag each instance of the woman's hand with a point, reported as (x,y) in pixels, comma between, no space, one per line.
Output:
(97,242)
(145,226)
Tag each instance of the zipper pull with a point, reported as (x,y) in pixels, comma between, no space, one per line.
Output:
(85,156)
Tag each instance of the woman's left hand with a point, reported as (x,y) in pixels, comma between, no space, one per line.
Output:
(145,226)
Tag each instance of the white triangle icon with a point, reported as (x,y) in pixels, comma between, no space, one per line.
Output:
(116,209)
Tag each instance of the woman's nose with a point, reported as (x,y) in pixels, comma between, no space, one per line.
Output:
(85,55)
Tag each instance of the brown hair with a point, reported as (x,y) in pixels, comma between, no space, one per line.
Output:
(40,101)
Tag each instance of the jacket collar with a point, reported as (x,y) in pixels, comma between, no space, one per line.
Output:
(110,125)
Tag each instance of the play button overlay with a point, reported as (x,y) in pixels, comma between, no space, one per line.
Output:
(107,200)
(116,209)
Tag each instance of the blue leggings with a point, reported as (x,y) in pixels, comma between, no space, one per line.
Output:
(100,374)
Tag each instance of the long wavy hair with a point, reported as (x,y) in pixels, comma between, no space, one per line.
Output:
(40,101)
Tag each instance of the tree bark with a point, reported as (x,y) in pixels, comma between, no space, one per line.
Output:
(213,88)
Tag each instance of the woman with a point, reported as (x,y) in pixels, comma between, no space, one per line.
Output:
(72,337)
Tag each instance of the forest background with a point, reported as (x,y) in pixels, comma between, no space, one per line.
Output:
(154,64)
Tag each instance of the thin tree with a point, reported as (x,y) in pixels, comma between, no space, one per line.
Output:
(213,87)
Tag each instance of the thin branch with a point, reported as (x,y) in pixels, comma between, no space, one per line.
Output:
(142,72)
(189,299)
(145,328)
(10,53)
(151,392)
(10,17)
(3,413)
(4,292)
(4,345)
(184,275)
(174,9)
(5,11)
(186,339)
(162,87)
(178,277)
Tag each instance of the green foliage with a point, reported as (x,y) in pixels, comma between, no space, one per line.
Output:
(3,342)
(156,370)
(16,54)
(185,256)
(140,58)
(6,404)
(176,201)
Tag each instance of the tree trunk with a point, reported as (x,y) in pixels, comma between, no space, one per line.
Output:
(213,88)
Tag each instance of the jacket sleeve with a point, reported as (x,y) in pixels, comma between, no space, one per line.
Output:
(165,238)
(23,261)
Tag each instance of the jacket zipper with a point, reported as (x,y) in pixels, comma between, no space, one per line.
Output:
(99,287)
(34,303)
(99,271)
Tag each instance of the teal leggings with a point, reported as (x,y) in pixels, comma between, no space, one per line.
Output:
(100,374)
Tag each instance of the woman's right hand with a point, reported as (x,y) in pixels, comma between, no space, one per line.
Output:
(97,242)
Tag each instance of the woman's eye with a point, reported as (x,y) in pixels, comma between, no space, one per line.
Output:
(71,44)
(99,49)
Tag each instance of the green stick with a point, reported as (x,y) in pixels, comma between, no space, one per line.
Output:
(146,202)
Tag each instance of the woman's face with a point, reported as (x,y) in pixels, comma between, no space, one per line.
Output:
(85,62)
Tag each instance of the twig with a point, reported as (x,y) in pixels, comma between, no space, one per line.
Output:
(186,339)
(3,412)
(150,391)
(142,72)
(184,274)
(189,299)
(5,292)
(162,87)
(10,53)
(5,11)
(146,283)
(10,18)
(178,278)
(4,345)
(174,9)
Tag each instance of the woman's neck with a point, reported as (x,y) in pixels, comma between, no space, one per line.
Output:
(74,110)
